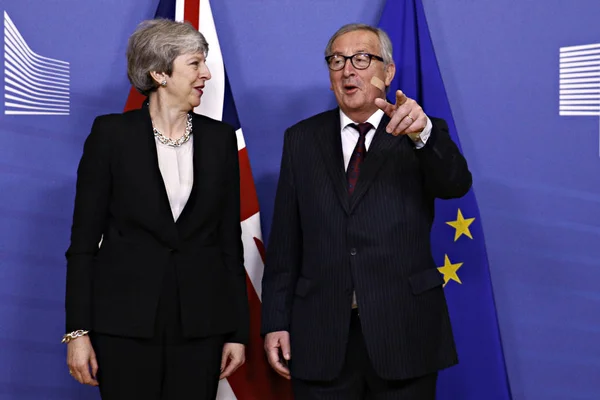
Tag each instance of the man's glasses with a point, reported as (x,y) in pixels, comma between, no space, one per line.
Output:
(337,62)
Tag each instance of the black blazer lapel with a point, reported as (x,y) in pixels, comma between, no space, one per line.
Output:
(378,152)
(144,126)
(329,141)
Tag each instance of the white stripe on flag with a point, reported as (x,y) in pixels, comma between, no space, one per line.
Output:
(241,142)
(179,10)
(252,259)
(225,391)
(214,92)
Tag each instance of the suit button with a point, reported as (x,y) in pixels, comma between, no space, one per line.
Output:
(171,250)
(353,251)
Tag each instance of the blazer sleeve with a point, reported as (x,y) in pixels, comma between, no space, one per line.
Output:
(89,219)
(231,241)
(445,170)
(284,256)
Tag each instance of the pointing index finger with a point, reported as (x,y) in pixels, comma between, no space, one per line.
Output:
(400,98)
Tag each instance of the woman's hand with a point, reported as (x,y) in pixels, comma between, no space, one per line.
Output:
(234,356)
(80,359)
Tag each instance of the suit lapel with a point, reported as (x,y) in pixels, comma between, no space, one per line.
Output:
(378,152)
(330,144)
(145,126)
(164,219)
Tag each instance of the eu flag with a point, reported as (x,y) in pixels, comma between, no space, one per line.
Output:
(457,237)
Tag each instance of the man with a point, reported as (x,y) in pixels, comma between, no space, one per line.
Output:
(352,299)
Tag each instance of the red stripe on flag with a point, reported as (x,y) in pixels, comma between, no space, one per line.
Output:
(249,200)
(134,100)
(255,380)
(191,12)
(261,248)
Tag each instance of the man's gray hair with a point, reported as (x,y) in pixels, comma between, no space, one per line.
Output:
(385,43)
(154,46)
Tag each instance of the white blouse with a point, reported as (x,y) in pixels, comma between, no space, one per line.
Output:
(177,169)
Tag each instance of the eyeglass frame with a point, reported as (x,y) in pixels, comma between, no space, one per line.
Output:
(371,57)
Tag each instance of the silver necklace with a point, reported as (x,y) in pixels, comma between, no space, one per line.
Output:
(174,143)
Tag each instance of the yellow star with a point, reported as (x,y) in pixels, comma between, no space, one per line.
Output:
(461,225)
(449,270)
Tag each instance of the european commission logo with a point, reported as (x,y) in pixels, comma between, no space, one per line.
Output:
(33,84)
(579,71)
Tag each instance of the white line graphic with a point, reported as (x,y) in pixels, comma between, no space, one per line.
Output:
(579,81)
(33,84)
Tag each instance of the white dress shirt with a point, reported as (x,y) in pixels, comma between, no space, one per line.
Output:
(177,169)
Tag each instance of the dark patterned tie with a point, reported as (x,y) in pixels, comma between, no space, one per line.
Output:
(358,155)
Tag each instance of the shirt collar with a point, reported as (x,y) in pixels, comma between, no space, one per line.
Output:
(374,119)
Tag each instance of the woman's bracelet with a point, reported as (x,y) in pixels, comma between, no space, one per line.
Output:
(73,335)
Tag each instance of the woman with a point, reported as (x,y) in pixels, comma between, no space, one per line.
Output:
(159,309)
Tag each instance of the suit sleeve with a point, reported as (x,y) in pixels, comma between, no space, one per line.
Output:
(283,258)
(231,241)
(445,170)
(89,219)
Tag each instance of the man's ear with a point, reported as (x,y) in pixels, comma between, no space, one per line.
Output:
(390,72)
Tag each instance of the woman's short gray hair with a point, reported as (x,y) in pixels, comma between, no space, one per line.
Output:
(385,43)
(154,46)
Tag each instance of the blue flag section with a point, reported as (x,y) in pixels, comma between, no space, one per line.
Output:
(457,236)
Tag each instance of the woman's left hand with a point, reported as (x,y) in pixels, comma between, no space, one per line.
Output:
(234,356)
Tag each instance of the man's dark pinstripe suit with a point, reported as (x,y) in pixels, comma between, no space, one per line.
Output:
(324,245)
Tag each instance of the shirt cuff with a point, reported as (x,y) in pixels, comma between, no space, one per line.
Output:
(421,139)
